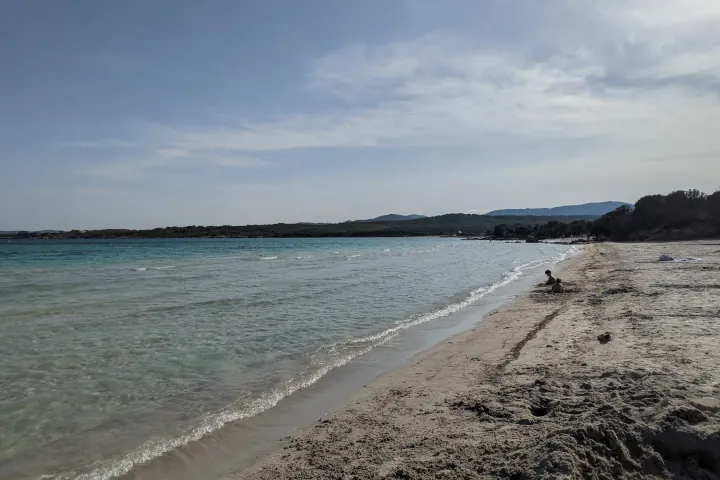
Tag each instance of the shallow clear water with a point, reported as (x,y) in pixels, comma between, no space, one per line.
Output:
(115,352)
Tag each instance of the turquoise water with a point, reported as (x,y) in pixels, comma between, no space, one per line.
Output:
(114,352)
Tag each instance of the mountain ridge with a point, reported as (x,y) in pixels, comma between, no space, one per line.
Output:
(394,217)
(590,209)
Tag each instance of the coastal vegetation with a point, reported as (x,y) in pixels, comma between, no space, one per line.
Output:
(451,224)
(680,215)
(683,214)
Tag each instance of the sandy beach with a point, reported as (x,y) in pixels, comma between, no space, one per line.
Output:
(532,393)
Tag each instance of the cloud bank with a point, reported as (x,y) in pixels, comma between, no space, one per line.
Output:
(611,99)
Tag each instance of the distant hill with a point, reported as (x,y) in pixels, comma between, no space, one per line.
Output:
(13,232)
(449,224)
(393,217)
(587,209)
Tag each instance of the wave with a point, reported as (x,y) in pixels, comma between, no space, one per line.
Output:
(473,297)
(143,269)
(333,356)
(571,252)
(213,422)
(268,258)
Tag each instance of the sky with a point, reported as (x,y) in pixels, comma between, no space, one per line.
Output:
(140,114)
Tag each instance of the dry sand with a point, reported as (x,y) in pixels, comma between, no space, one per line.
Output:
(532,393)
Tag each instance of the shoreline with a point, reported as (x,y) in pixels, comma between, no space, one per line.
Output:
(531,392)
(386,379)
(238,445)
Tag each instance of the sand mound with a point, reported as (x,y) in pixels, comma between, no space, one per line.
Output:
(596,428)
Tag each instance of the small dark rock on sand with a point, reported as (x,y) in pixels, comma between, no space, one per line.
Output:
(605,337)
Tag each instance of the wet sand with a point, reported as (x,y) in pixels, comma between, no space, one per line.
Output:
(533,393)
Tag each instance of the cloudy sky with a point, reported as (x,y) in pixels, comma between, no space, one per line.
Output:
(177,112)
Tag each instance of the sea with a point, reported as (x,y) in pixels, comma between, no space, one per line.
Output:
(141,358)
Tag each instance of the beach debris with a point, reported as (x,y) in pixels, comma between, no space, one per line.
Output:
(670,258)
(604,337)
(617,290)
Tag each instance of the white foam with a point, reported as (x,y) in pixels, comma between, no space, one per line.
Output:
(268,258)
(450,309)
(474,296)
(571,252)
(213,422)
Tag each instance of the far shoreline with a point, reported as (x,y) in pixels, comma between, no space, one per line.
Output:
(557,241)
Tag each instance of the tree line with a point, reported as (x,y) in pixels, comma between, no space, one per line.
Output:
(457,224)
(683,214)
(551,229)
(680,215)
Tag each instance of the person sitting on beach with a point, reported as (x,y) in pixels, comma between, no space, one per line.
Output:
(551,279)
(557,287)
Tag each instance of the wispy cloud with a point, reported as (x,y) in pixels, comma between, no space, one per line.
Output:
(164,159)
(241,161)
(637,70)
(103,143)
